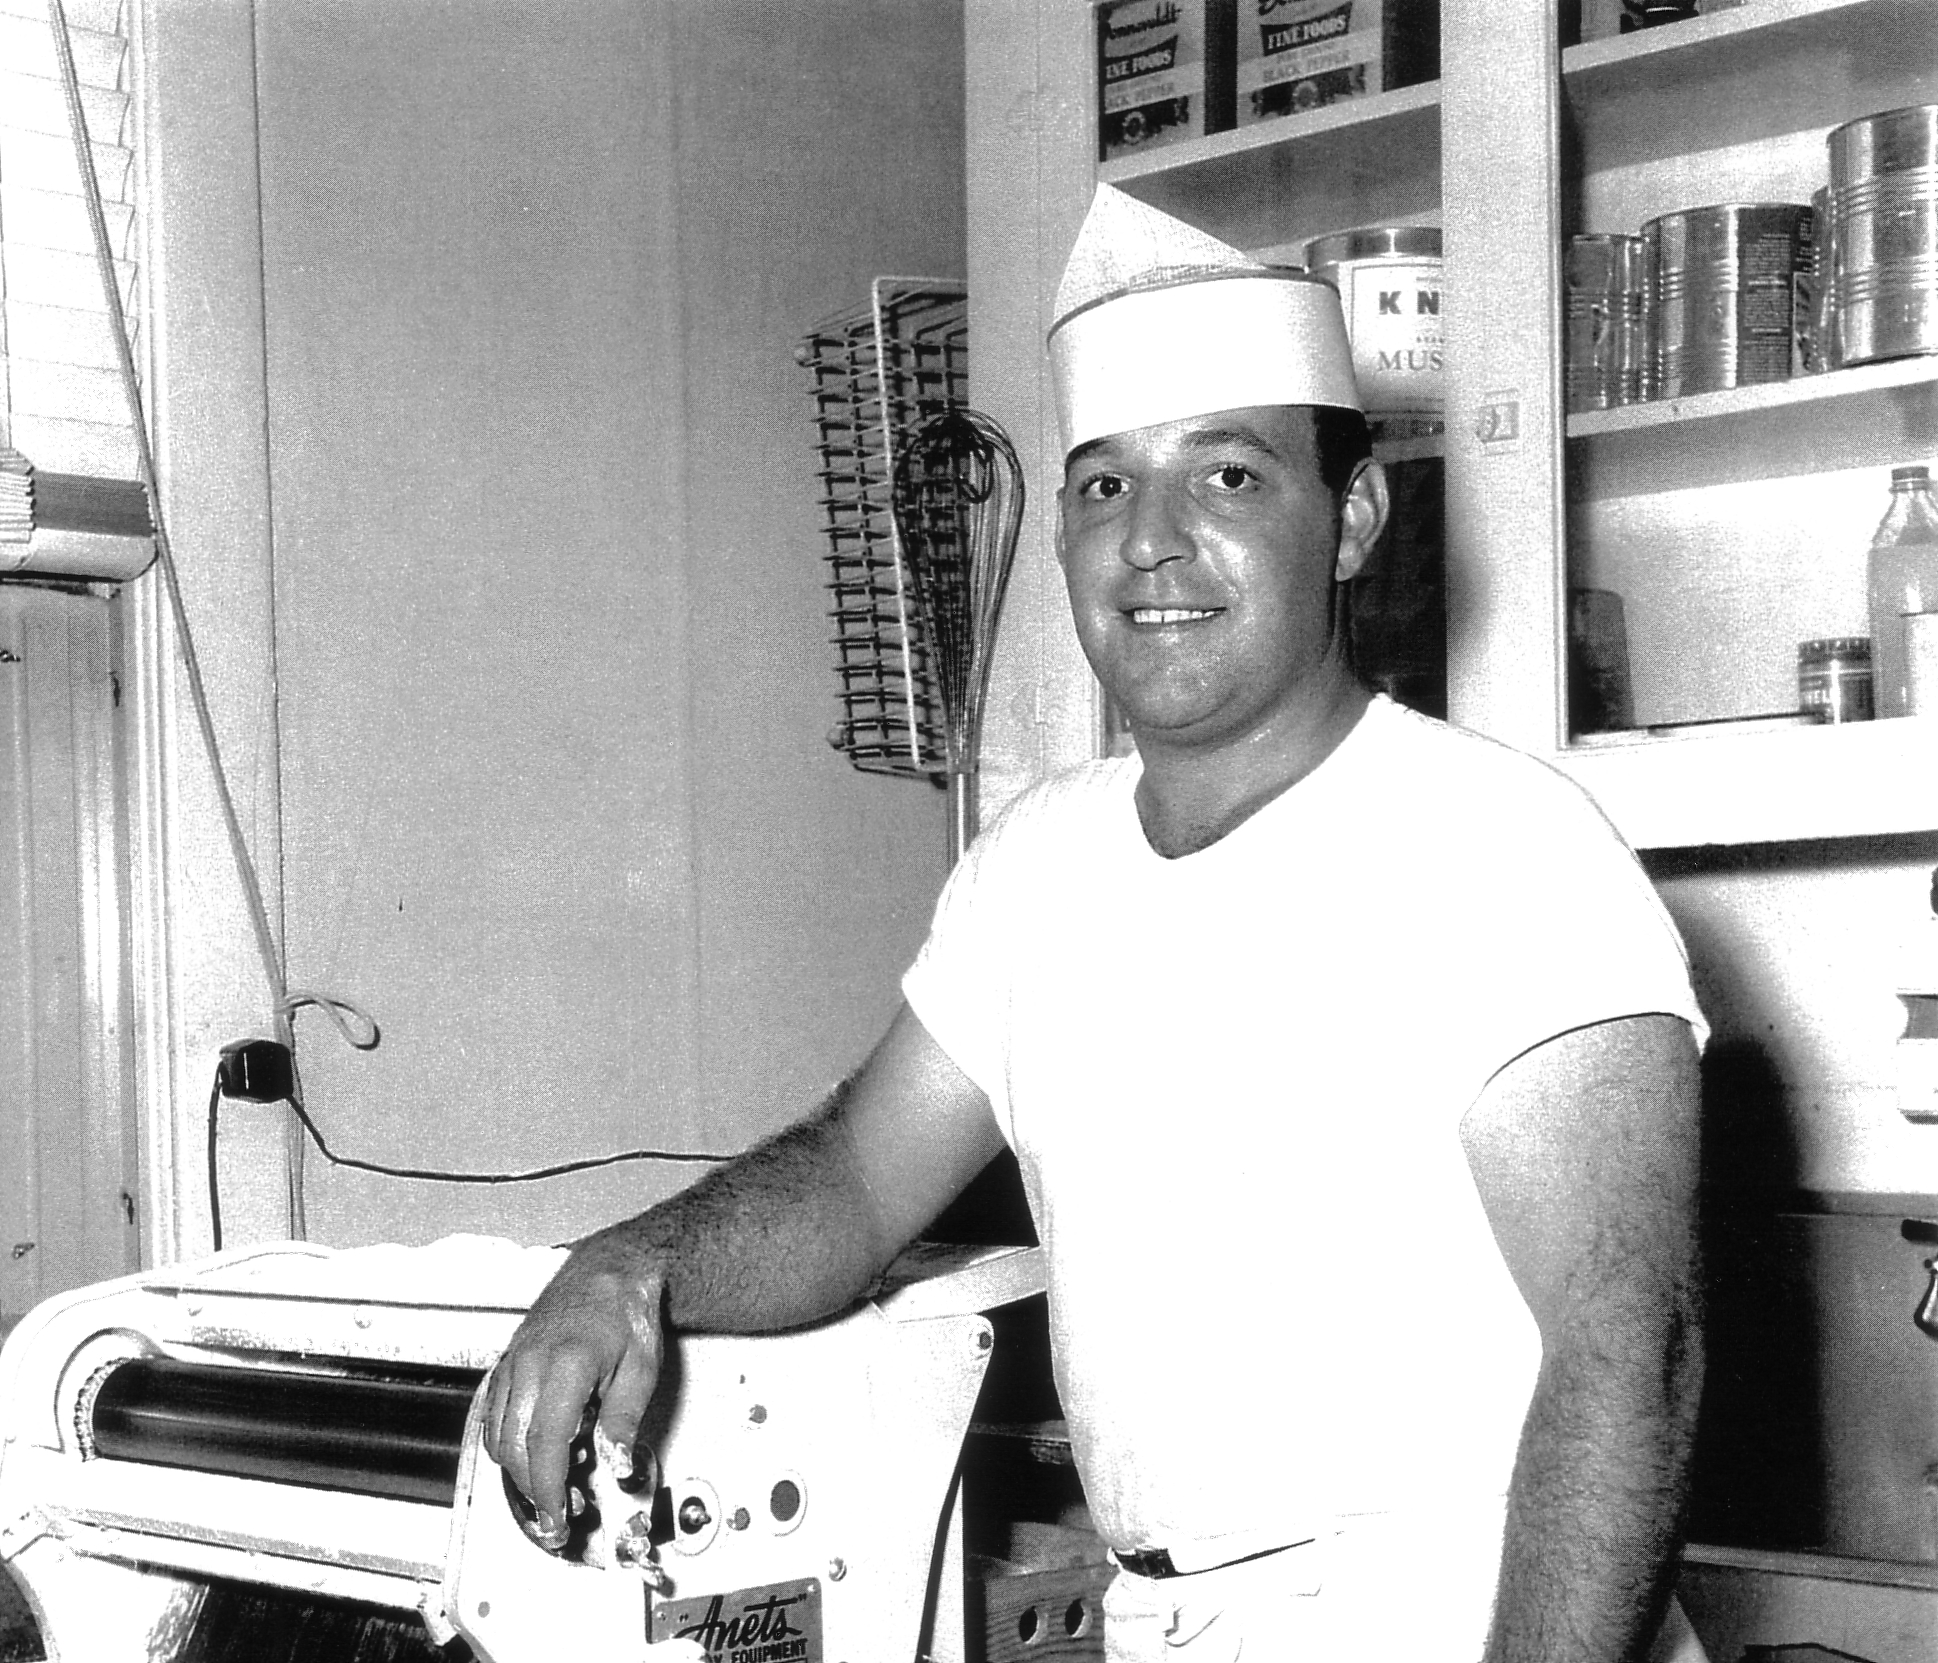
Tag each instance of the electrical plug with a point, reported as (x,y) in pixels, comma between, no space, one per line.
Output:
(257,1071)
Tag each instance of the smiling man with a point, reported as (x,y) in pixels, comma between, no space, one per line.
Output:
(1349,1060)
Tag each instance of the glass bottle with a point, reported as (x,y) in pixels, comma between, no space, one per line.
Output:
(1903,579)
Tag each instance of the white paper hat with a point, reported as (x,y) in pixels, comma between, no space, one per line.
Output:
(1157,320)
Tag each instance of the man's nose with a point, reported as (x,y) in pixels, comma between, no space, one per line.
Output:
(1156,534)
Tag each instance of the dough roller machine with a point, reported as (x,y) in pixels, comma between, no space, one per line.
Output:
(305,1419)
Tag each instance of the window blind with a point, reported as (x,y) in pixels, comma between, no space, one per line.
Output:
(71,502)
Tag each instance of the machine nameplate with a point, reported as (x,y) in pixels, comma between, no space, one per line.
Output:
(779,1622)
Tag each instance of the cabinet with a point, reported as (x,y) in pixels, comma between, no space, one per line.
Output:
(1733,524)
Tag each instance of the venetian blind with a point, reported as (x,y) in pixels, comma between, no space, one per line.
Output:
(70,499)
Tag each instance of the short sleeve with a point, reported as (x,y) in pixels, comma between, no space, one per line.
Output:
(958,986)
(1592,941)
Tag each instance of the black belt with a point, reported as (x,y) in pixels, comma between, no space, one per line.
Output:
(1156,1562)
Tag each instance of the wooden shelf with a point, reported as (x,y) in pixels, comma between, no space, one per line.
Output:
(1300,175)
(1747,40)
(1808,424)
(1821,1567)
(1718,787)
(1765,68)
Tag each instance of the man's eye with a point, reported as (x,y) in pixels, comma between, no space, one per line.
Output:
(1232,476)
(1103,487)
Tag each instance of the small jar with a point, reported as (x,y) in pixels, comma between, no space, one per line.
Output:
(1834,679)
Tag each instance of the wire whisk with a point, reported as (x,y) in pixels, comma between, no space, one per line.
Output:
(876,376)
(958,506)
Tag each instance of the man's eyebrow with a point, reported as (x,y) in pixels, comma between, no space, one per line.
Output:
(1084,452)
(1235,436)
(1238,437)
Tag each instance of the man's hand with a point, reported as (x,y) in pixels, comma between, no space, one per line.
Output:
(792,1231)
(593,1336)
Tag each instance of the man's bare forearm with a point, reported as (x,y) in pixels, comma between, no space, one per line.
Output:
(1598,1495)
(781,1236)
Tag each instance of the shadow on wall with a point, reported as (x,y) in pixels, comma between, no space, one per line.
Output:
(1757,1481)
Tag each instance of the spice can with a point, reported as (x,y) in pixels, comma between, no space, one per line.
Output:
(1726,286)
(1292,56)
(1834,679)
(1154,74)
(1388,278)
(1605,329)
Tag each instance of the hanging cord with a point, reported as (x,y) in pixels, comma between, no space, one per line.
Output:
(267,949)
(354,1024)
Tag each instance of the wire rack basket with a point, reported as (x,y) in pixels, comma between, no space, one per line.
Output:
(877,377)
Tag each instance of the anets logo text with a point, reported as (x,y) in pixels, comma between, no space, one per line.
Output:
(760,1633)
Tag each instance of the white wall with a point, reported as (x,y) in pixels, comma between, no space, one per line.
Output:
(550,661)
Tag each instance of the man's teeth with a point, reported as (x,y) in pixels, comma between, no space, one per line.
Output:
(1167,615)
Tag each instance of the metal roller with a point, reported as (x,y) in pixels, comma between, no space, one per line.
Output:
(396,1435)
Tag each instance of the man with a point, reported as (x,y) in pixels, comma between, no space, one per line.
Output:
(1350,1062)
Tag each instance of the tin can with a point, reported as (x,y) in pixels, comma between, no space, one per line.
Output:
(1884,205)
(1817,348)
(1605,328)
(1388,278)
(1726,294)
(1834,679)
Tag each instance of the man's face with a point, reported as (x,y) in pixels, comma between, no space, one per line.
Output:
(1200,557)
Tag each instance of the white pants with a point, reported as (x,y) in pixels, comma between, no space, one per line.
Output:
(1381,1588)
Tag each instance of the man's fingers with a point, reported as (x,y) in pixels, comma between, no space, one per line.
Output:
(558,1409)
(624,1405)
(545,1395)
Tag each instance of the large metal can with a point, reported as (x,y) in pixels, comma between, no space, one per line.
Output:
(1726,282)
(1388,278)
(1884,206)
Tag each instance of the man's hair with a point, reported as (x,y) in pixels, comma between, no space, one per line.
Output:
(1342,442)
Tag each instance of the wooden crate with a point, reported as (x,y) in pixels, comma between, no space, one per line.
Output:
(1025,1616)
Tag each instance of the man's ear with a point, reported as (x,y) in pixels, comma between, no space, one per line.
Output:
(1362,517)
(1056,532)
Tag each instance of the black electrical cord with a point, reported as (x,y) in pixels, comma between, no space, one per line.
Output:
(429,1174)
(215,1178)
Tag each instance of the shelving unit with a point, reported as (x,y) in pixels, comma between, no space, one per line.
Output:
(1733,523)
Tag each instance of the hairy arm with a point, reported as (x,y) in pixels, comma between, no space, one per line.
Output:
(1585,1155)
(794,1230)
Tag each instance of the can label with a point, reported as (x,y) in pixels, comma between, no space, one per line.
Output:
(1835,691)
(1150,73)
(1731,286)
(1298,55)
(1392,309)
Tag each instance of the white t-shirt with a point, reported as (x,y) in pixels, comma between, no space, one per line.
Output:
(1234,1082)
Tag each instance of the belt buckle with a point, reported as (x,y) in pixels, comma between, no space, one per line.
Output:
(1152,1562)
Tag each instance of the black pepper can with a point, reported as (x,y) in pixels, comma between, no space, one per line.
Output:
(1834,679)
